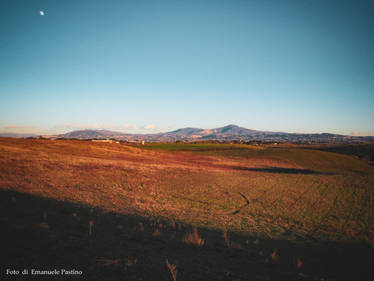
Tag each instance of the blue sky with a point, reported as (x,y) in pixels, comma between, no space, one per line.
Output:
(149,66)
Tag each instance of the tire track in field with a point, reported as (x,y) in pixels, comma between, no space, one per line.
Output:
(241,194)
(256,200)
(248,201)
(245,205)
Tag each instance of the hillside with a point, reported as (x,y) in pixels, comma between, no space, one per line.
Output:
(215,212)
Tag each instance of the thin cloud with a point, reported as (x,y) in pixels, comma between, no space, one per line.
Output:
(127,127)
(19,127)
(149,127)
(152,127)
(96,126)
(67,127)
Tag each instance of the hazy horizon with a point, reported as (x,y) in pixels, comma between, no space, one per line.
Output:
(155,66)
(147,129)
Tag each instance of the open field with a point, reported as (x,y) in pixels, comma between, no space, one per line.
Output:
(216,212)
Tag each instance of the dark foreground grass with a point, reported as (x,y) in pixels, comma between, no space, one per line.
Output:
(46,234)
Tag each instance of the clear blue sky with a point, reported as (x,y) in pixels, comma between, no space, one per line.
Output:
(137,66)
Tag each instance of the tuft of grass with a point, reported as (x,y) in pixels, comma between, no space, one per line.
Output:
(172,224)
(299,263)
(107,262)
(194,238)
(156,233)
(141,227)
(226,238)
(44,225)
(172,269)
(274,255)
(131,262)
(90,227)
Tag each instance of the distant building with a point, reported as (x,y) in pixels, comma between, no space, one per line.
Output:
(103,141)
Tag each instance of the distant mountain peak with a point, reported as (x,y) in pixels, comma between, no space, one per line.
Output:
(226,133)
(231,126)
(233,130)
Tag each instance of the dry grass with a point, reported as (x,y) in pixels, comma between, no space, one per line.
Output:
(90,227)
(226,238)
(274,255)
(156,233)
(206,186)
(299,263)
(107,262)
(44,225)
(131,262)
(141,227)
(172,269)
(193,238)
(118,248)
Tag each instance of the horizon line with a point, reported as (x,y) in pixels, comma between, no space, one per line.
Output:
(151,130)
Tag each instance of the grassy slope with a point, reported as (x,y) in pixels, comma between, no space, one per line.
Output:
(334,203)
(275,194)
(205,185)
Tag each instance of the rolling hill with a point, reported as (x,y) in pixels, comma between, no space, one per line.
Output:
(226,133)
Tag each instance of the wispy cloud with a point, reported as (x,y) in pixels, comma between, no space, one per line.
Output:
(128,127)
(96,126)
(67,127)
(152,127)
(16,128)
(131,128)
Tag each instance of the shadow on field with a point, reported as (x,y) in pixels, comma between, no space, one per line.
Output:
(361,151)
(279,170)
(45,234)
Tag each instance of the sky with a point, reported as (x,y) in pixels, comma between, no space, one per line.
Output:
(141,66)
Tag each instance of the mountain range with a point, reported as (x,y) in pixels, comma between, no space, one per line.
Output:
(226,133)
